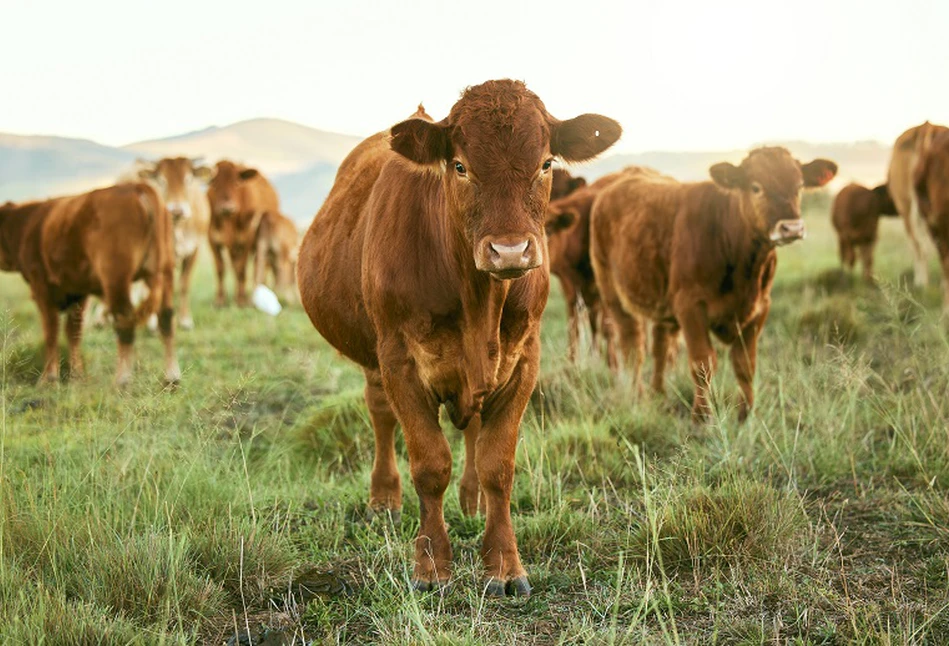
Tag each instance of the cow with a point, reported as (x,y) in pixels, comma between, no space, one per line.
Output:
(278,243)
(568,241)
(426,265)
(908,149)
(563,183)
(177,180)
(856,217)
(931,191)
(95,243)
(699,257)
(239,199)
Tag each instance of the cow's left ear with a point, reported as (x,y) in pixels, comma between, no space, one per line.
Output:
(421,141)
(728,175)
(203,173)
(583,137)
(560,221)
(577,182)
(818,172)
(248,173)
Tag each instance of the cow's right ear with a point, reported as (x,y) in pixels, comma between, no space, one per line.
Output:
(148,172)
(560,221)
(248,173)
(728,175)
(203,173)
(421,141)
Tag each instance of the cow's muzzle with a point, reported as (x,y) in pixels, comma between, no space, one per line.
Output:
(508,257)
(179,211)
(788,231)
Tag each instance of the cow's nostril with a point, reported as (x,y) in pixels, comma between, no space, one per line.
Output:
(498,250)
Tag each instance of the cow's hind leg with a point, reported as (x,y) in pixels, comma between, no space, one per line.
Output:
(744,354)
(702,360)
(74,320)
(632,345)
(866,258)
(239,257)
(185,321)
(385,488)
(664,336)
(118,297)
(50,317)
(166,322)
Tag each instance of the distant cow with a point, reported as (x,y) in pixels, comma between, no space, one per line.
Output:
(700,257)
(96,243)
(909,149)
(563,184)
(856,216)
(568,240)
(931,189)
(239,199)
(177,180)
(426,265)
(278,243)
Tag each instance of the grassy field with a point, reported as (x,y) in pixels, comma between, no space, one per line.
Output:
(236,504)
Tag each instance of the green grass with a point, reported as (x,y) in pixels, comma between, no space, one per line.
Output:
(238,501)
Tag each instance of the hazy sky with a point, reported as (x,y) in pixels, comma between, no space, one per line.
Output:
(697,75)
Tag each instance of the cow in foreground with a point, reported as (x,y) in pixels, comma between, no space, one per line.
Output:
(240,197)
(96,243)
(856,218)
(426,265)
(179,182)
(909,150)
(699,257)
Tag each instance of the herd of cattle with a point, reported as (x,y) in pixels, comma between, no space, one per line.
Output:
(428,265)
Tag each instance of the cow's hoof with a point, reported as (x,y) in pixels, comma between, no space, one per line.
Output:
(439,585)
(517,587)
(186,323)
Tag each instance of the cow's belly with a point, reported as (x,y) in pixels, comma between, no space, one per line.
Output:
(728,316)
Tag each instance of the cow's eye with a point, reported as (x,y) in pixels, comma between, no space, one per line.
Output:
(547,164)
(756,188)
(460,168)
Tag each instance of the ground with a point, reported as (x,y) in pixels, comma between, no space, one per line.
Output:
(235,504)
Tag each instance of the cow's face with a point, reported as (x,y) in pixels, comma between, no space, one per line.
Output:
(495,153)
(175,177)
(224,189)
(770,181)
(931,184)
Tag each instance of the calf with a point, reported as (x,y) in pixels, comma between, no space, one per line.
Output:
(239,199)
(177,180)
(278,243)
(700,257)
(426,266)
(931,191)
(856,216)
(910,148)
(96,243)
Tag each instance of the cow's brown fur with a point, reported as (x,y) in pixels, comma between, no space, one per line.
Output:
(931,190)
(239,199)
(426,266)
(278,243)
(95,243)
(856,217)
(178,182)
(700,257)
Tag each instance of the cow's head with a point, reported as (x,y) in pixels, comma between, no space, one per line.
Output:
(175,176)
(224,189)
(563,184)
(770,182)
(883,201)
(494,153)
(931,184)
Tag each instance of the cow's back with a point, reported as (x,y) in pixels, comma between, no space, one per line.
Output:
(330,261)
(906,152)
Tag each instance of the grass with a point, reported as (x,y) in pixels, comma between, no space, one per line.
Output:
(236,504)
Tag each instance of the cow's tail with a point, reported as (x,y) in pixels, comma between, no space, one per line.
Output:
(161,248)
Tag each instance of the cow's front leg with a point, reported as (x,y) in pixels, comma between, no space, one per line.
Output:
(239,257)
(469,489)
(217,251)
(702,361)
(497,444)
(430,465)
(743,355)
(385,488)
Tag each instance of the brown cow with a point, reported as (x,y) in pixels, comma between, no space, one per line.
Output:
(909,148)
(177,180)
(278,243)
(563,184)
(568,240)
(96,243)
(931,190)
(699,257)
(856,217)
(239,198)
(426,266)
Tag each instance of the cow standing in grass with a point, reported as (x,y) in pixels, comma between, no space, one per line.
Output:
(931,193)
(278,245)
(701,258)
(426,265)
(856,218)
(240,198)
(96,243)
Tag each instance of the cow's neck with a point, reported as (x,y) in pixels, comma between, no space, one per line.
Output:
(746,242)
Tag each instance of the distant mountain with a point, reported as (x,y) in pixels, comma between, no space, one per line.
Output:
(302,161)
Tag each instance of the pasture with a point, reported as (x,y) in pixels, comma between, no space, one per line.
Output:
(236,503)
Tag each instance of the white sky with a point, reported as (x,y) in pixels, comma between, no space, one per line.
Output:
(679,75)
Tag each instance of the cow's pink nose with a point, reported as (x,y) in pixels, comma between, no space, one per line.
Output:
(508,258)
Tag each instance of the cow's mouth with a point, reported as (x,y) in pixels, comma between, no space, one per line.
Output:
(509,274)
(788,231)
